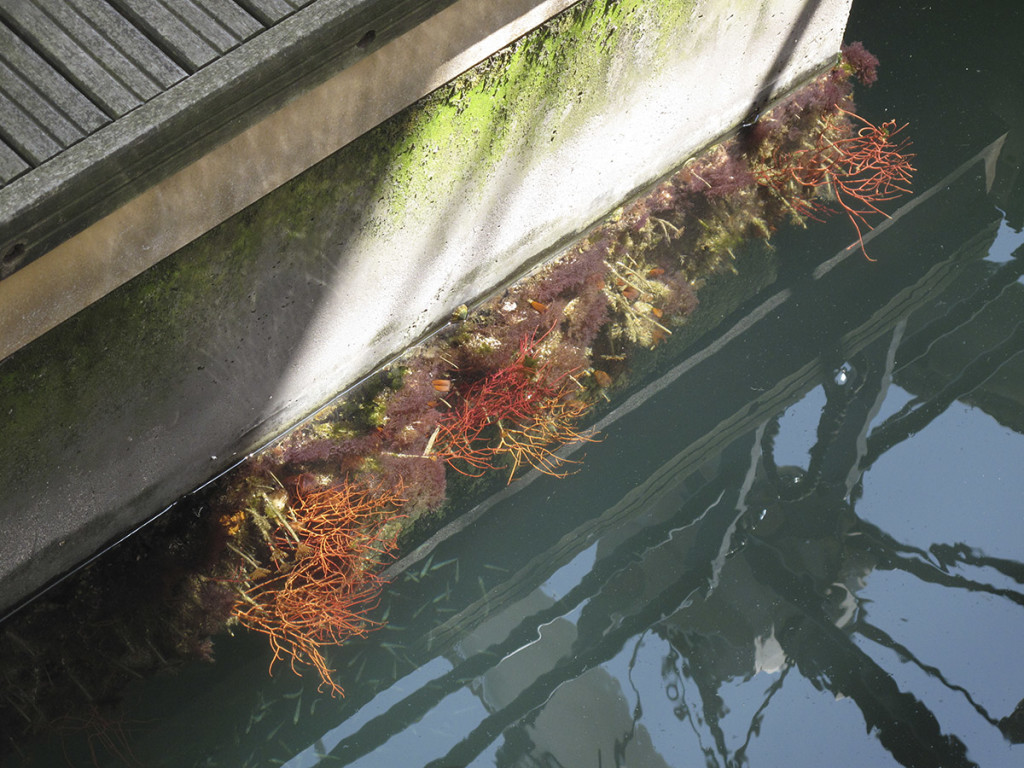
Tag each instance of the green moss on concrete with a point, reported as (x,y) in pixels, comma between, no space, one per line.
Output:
(522,101)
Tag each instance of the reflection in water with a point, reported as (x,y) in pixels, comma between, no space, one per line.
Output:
(796,561)
(678,622)
(737,579)
(798,546)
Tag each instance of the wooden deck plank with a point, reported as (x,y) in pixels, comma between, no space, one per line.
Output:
(23,133)
(11,164)
(187,48)
(236,19)
(92,40)
(43,112)
(268,11)
(127,38)
(49,83)
(202,24)
(65,53)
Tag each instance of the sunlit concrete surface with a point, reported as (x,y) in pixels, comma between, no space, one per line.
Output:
(273,287)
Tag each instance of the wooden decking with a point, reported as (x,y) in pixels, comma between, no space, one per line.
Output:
(101,100)
(69,67)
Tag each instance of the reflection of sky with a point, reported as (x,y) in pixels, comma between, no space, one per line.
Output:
(974,639)
(830,731)
(432,737)
(959,480)
(807,727)
(429,739)
(962,639)
(569,575)
(1007,241)
(798,430)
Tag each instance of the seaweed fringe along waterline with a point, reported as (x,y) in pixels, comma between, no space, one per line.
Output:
(291,544)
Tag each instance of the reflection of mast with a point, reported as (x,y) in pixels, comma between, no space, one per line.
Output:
(828,657)
(810,503)
(902,425)
(951,554)
(889,554)
(786,561)
(824,653)
(881,637)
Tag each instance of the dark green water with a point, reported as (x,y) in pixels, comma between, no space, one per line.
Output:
(799,544)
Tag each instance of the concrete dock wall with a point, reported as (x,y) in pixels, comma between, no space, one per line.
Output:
(237,296)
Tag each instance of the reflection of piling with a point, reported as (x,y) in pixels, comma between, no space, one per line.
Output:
(828,657)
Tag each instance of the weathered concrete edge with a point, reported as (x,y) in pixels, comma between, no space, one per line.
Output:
(440,218)
(172,212)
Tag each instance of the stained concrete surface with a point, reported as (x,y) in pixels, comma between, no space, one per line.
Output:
(181,371)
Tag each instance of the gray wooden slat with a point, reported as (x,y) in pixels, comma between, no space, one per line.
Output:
(24,134)
(49,83)
(235,18)
(128,39)
(79,29)
(168,31)
(76,63)
(268,11)
(21,92)
(11,164)
(204,25)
